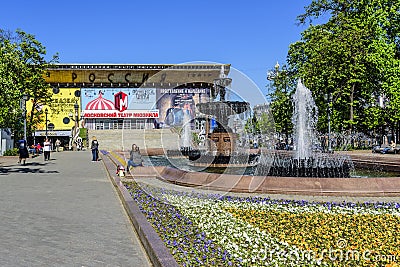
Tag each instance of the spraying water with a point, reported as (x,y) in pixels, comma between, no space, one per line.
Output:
(304,119)
(186,131)
(304,162)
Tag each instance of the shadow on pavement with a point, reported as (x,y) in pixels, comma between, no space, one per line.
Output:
(25,168)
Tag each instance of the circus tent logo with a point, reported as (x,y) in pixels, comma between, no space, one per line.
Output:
(100,103)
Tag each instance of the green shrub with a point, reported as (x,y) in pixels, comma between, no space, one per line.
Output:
(83,133)
(11,152)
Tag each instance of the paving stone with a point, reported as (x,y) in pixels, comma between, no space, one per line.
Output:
(63,212)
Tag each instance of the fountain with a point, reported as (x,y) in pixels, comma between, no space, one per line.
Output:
(304,119)
(220,149)
(304,162)
(305,171)
(186,135)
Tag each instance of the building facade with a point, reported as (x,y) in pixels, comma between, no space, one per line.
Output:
(124,96)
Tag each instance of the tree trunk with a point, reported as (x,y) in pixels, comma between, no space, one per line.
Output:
(392,126)
(287,137)
(29,126)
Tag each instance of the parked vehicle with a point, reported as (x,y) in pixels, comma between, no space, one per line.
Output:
(386,149)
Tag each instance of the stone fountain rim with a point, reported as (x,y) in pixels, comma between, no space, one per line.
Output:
(377,187)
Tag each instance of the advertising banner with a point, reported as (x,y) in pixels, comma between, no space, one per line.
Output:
(174,103)
(60,107)
(119,103)
(126,114)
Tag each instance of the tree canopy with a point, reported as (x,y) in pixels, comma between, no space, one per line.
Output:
(350,62)
(22,68)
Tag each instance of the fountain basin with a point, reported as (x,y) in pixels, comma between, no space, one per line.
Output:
(200,158)
(373,186)
(377,187)
(319,166)
(222,161)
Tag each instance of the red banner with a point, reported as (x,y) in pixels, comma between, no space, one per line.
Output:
(125,114)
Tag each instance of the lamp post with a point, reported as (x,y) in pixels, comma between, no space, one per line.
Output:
(328,97)
(281,76)
(46,111)
(274,73)
(383,101)
(76,108)
(34,136)
(25,98)
(75,132)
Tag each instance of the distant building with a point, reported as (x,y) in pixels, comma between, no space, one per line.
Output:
(6,141)
(124,96)
(260,109)
(117,96)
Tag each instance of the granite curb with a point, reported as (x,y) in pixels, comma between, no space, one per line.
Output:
(354,187)
(156,250)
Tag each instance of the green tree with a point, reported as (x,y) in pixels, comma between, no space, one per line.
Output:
(22,69)
(266,124)
(281,89)
(354,57)
(251,125)
(10,82)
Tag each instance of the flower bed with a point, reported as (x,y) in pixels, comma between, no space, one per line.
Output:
(188,244)
(216,230)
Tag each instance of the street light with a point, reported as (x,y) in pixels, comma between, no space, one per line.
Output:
(75,133)
(274,73)
(76,108)
(34,136)
(46,112)
(383,102)
(283,76)
(328,97)
(25,98)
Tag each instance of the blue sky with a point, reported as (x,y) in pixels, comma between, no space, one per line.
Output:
(250,35)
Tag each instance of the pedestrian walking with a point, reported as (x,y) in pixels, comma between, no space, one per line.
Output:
(58,144)
(46,149)
(95,149)
(23,151)
(79,143)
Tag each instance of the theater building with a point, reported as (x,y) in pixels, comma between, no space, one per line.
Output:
(125,96)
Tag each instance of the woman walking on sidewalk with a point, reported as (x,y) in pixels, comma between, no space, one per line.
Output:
(46,149)
(23,151)
(95,149)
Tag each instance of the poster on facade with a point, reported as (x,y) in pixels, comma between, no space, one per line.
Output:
(60,107)
(174,103)
(119,102)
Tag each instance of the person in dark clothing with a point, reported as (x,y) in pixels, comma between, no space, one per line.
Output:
(23,151)
(95,149)
(135,158)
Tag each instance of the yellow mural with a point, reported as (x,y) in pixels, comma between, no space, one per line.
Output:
(61,106)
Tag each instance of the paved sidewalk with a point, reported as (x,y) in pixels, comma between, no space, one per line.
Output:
(63,212)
